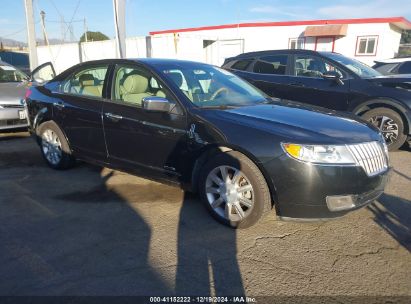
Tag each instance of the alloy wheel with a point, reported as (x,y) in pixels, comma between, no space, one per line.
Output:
(387,126)
(51,146)
(229,193)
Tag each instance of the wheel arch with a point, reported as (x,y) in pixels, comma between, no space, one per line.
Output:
(212,150)
(384,103)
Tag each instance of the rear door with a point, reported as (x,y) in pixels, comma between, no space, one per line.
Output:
(268,73)
(79,110)
(136,137)
(308,85)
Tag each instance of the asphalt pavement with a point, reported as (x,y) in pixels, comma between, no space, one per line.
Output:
(95,231)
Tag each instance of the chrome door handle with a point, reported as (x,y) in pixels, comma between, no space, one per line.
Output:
(113,117)
(58,104)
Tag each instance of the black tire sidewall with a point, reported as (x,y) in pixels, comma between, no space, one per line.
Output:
(67,159)
(262,200)
(402,137)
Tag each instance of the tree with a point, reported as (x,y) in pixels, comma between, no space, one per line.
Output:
(93,36)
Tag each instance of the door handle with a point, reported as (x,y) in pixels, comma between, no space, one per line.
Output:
(59,105)
(113,117)
(297,84)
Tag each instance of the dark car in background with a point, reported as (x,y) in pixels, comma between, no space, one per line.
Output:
(12,88)
(332,81)
(393,66)
(205,129)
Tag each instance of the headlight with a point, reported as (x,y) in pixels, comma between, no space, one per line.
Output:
(320,154)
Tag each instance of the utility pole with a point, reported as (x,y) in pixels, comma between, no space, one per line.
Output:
(31,33)
(119,8)
(85,29)
(43,25)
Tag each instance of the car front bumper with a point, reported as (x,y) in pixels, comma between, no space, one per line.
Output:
(12,117)
(306,191)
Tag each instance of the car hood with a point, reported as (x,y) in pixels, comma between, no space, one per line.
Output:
(12,92)
(297,122)
(400,80)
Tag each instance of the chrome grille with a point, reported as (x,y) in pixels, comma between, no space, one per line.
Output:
(12,106)
(370,156)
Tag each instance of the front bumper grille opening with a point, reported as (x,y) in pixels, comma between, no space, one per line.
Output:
(370,156)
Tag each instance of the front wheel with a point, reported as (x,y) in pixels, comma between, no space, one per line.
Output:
(234,190)
(390,125)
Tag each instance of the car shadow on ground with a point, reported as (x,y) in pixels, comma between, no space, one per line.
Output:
(393,214)
(73,233)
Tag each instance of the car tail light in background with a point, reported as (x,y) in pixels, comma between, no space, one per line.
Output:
(28,93)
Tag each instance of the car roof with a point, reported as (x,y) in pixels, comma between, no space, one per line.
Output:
(275,52)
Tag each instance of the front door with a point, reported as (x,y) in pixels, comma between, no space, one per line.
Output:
(79,109)
(309,86)
(138,137)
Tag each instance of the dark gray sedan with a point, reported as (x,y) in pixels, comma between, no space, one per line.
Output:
(12,88)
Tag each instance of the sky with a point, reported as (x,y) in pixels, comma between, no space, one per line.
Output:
(143,16)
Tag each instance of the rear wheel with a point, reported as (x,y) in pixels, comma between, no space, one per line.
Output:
(54,146)
(390,125)
(234,190)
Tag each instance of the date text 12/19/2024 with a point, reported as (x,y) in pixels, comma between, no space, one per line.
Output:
(197,299)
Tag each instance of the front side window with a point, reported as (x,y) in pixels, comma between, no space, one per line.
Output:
(87,82)
(276,64)
(132,84)
(311,66)
(296,43)
(366,45)
(208,86)
(10,74)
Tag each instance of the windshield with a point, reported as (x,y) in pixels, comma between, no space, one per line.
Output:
(209,86)
(11,74)
(359,68)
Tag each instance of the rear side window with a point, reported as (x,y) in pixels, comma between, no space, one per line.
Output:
(87,82)
(242,65)
(271,65)
(405,68)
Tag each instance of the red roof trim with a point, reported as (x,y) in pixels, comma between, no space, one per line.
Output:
(289,23)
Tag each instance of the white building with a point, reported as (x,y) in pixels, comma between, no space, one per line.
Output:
(366,39)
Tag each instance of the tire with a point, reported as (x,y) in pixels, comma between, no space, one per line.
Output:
(395,124)
(54,146)
(227,196)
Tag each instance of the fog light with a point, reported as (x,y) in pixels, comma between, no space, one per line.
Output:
(340,202)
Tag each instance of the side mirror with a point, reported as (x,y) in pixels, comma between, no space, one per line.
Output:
(333,75)
(43,73)
(157,104)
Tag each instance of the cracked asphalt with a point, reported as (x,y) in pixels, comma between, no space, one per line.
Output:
(94,231)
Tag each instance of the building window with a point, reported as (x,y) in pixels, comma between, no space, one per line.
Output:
(366,45)
(296,43)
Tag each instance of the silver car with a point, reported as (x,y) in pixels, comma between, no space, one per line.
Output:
(12,88)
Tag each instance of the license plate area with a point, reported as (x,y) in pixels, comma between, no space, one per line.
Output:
(22,114)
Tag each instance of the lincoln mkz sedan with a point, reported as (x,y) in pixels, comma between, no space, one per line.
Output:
(208,131)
